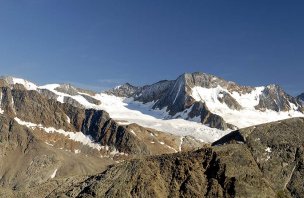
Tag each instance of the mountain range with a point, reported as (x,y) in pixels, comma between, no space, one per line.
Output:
(196,136)
(214,101)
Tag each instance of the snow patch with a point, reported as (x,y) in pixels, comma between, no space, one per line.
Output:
(181,143)
(49,144)
(68,119)
(116,152)
(77,151)
(79,98)
(75,136)
(268,149)
(133,132)
(179,88)
(1,110)
(54,174)
(13,105)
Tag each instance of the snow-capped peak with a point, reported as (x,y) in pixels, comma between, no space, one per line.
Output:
(27,84)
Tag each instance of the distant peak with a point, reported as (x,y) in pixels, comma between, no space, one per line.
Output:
(274,87)
(13,80)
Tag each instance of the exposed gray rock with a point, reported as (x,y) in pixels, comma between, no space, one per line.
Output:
(72,102)
(176,97)
(154,92)
(91,99)
(227,99)
(262,161)
(274,98)
(48,94)
(199,109)
(67,89)
(278,150)
(212,172)
(125,90)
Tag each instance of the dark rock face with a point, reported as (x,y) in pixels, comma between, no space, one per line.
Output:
(274,98)
(174,98)
(301,97)
(153,92)
(199,109)
(229,101)
(300,100)
(98,125)
(278,150)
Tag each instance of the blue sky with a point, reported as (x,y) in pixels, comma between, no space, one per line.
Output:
(99,44)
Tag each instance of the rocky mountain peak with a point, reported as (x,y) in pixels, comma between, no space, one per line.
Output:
(67,88)
(181,98)
(10,81)
(275,98)
(205,80)
(124,90)
(301,96)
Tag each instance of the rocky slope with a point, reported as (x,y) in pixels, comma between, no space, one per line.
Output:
(262,161)
(196,96)
(42,139)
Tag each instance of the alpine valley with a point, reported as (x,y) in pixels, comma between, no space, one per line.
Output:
(196,136)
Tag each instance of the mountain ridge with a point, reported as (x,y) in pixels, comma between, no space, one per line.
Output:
(64,138)
(190,90)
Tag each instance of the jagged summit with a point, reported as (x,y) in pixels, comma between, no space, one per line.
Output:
(214,101)
(199,97)
(125,90)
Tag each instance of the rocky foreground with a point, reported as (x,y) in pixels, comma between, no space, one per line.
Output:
(261,161)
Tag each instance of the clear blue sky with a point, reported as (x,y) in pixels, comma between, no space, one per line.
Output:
(99,44)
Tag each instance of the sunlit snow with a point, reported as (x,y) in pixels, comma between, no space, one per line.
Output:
(28,85)
(54,174)
(127,111)
(245,117)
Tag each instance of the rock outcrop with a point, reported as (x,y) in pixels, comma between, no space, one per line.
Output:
(261,161)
